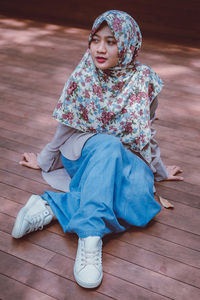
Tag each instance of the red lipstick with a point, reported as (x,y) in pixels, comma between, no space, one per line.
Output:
(101,59)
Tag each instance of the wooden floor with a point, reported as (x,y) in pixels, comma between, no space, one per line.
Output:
(159,262)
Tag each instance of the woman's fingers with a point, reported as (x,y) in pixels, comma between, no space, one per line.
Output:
(29,160)
(24,163)
(176,169)
(172,173)
(179,178)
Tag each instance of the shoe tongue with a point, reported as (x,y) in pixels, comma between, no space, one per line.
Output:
(91,242)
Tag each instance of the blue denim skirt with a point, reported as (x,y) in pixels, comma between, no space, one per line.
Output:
(111,190)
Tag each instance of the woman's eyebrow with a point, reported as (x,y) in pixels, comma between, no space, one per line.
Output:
(107,36)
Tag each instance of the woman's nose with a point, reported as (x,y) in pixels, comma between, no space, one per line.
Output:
(101,47)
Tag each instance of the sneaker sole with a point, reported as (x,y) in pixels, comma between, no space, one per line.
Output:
(17,228)
(88,285)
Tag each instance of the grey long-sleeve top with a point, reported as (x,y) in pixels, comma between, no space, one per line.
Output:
(70,141)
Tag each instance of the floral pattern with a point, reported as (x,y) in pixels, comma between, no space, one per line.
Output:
(116,101)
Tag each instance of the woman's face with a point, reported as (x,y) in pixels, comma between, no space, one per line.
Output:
(103,49)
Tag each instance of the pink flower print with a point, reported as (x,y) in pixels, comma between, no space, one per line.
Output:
(81,107)
(119,100)
(128,128)
(141,95)
(84,111)
(58,106)
(97,90)
(117,24)
(142,138)
(105,77)
(72,86)
(138,36)
(150,91)
(88,79)
(133,99)
(110,102)
(146,72)
(133,24)
(68,116)
(118,86)
(137,141)
(94,29)
(86,94)
(91,129)
(122,53)
(124,110)
(132,48)
(107,116)
(133,114)
(93,105)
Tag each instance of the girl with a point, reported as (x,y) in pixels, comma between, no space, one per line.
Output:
(105,144)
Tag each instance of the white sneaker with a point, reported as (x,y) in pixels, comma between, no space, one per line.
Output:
(33,216)
(88,270)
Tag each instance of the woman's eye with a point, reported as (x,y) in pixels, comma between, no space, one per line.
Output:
(111,42)
(95,40)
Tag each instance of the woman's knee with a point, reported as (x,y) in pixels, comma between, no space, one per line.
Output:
(110,143)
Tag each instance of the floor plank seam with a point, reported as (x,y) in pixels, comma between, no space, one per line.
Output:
(160,273)
(23,283)
(50,271)
(190,232)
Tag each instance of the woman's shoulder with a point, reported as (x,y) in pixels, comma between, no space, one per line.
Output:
(148,73)
(147,70)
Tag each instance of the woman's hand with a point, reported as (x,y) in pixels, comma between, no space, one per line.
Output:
(172,173)
(29,160)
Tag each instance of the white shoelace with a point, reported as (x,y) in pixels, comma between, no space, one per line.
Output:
(37,222)
(91,257)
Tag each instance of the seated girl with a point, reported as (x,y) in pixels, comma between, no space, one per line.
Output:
(103,156)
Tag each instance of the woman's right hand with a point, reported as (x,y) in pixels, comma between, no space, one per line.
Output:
(29,160)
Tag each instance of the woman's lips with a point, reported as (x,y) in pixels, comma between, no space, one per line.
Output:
(101,59)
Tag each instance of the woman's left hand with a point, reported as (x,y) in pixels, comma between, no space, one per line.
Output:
(172,173)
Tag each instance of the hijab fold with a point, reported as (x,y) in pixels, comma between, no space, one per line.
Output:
(115,101)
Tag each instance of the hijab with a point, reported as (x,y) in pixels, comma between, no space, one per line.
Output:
(115,101)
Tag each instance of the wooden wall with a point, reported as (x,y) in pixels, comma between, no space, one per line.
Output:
(172,20)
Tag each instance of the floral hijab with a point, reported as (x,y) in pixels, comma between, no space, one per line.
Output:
(116,101)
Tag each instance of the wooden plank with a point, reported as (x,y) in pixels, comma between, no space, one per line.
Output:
(29,123)
(172,234)
(142,257)
(22,183)
(14,194)
(15,168)
(25,250)
(18,147)
(190,188)
(139,276)
(152,261)
(22,138)
(162,247)
(27,131)
(12,289)
(178,195)
(132,273)
(179,217)
(44,281)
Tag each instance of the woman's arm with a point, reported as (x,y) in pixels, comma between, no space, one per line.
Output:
(49,157)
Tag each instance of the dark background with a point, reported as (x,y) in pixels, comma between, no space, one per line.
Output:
(169,20)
